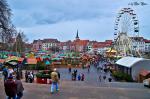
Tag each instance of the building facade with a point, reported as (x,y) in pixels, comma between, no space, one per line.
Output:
(37,44)
(147,45)
(49,43)
(138,44)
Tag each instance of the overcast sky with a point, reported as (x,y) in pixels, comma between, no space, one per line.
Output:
(60,19)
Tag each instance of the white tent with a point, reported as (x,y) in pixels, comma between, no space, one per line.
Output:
(128,61)
(135,64)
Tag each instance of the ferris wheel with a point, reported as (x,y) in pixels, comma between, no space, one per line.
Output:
(126,27)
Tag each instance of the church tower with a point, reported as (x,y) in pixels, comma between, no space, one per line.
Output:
(77,36)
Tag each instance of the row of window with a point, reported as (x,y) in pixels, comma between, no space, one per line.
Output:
(48,45)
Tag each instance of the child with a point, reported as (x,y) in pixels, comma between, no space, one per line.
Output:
(79,77)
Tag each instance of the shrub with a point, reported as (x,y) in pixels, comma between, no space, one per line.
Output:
(40,68)
(44,74)
(122,76)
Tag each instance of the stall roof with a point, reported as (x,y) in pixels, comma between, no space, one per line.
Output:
(129,61)
(2,60)
(31,61)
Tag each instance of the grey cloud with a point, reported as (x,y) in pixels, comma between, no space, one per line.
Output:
(54,11)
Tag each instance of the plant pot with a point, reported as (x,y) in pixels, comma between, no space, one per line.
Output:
(41,80)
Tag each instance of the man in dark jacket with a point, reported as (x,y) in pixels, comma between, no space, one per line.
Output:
(10,88)
(19,87)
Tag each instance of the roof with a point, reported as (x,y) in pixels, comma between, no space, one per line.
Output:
(144,72)
(137,38)
(146,41)
(35,41)
(112,50)
(129,61)
(81,42)
(2,60)
(50,40)
(31,61)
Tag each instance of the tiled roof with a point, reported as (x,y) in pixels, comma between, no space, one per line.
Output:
(50,40)
(102,44)
(35,41)
(81,42)
(137,38)
(146,41)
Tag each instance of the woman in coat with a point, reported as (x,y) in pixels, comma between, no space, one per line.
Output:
(19,87)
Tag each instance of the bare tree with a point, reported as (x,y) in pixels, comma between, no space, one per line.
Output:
(20,41)
(24,38)
(7,30)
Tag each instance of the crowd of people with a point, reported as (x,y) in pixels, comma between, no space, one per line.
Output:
(104,71)
(77,76)
(14,88)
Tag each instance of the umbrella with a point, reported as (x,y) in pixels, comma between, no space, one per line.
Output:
(47,62)
(11,58)
(11,63)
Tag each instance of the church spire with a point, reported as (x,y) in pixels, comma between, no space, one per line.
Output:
(77,36)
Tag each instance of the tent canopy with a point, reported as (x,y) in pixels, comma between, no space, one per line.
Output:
(31,61)
(112,51)
(129,61)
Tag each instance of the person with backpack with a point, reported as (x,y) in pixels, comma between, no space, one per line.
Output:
(55,81)
(10,88)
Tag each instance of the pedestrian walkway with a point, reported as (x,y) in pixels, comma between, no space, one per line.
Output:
(92,79)
(79,90)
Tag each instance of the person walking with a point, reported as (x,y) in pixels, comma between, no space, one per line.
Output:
(104,77)
(55,81)
(79,77)
(30,77)
(109,79)
(75,74)
(100,78)
(5,73)
(82,77)
(26,76)
(88,68)
(69,68)
(19,88)
(72,75)
(10,88)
